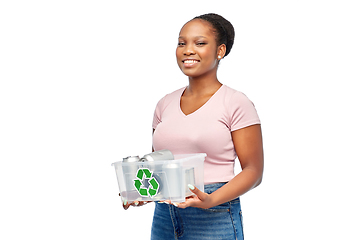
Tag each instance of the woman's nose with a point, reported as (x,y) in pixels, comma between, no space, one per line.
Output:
(189,50)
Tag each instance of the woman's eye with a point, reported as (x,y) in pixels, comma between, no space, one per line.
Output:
(201,43)
(181,44)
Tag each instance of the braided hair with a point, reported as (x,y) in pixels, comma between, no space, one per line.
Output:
(223,29)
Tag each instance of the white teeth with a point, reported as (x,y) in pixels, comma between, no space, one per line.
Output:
(190,61)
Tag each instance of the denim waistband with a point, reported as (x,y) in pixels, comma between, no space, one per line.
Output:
(209,188)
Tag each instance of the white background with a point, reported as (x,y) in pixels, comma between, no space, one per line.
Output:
(80,81)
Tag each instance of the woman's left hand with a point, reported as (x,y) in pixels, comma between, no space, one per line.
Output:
(200,200)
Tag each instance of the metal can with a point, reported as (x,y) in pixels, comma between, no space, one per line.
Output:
(173,176)
(130,169)
(158,156)
(131,159)
(160,176)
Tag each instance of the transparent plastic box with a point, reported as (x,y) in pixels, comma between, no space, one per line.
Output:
(160,180)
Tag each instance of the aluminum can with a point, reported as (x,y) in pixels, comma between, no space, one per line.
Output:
(130,171)
(131,159)
(172,188)
(149,160)
(158,156)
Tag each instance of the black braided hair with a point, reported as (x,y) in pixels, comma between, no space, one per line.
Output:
(224,30)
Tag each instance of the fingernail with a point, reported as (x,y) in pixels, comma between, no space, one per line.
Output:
(191,186)
(136,203)
(124,201)
(160,202)
(175,204)
(166,202)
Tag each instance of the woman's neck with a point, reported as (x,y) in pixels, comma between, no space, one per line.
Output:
(202,86)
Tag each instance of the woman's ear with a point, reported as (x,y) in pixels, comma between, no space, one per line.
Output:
(221,51)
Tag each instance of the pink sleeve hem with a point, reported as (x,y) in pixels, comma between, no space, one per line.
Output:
(244,125)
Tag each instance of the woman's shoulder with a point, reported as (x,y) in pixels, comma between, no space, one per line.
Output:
(165,100)
(233,95)
(176,93)
(240,109)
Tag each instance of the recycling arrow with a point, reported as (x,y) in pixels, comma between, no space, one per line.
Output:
(144,174)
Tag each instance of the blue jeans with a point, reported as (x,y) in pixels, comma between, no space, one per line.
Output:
(220,222)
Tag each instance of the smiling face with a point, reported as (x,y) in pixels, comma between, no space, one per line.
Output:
(197,52)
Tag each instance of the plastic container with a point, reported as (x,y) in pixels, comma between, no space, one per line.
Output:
(160,180)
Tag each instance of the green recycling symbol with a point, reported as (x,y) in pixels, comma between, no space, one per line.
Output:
(145,174)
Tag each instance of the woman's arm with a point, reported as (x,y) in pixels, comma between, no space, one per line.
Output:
(249,149)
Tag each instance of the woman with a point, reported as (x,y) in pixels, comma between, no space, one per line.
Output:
(209,117)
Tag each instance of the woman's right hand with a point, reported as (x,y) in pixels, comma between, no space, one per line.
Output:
(126,204)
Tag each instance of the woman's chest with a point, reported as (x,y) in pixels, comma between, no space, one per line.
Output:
(200,131)
(189,105)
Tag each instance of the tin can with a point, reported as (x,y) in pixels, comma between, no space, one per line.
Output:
(161,177)
(158,156)
(173,177)
(131,159)
(130,170)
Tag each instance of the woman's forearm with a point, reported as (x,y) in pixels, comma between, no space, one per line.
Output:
(246,180)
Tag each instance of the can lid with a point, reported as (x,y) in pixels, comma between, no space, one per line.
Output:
(146,158)
(131,159)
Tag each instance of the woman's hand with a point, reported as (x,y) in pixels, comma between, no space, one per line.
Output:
(201,200)
(126,205)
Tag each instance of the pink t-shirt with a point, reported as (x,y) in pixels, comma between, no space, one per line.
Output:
(207,130)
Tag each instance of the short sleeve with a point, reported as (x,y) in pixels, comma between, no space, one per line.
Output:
(242,112)
(158,112)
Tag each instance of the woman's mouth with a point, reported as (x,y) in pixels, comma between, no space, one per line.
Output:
(190,62)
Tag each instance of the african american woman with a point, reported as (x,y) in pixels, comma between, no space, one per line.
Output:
(207,117)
